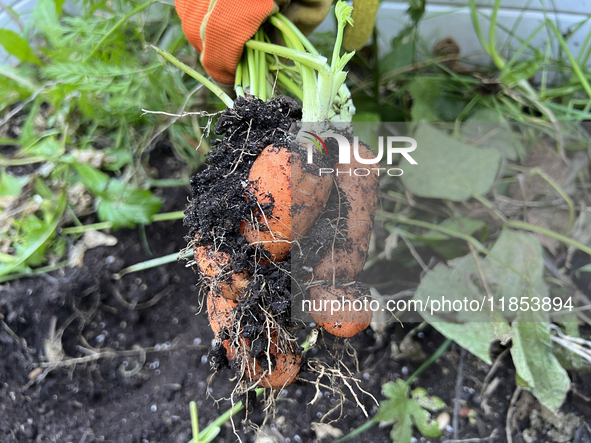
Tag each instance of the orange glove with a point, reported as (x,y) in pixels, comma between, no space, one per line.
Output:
(219,34)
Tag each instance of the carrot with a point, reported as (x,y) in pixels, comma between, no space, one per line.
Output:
(219,312)
(352,315)
(284,370)
(286,365)
(297,196)
(309,197)
(360,195)
(270,183)
(216,269)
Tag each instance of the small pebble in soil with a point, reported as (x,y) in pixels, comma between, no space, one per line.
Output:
(204,359)
(366,375)
(153,408)
(197,341)
(404,370)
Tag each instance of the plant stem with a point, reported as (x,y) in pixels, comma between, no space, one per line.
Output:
(200,78)
(148,264)
(238,80)
(421,224)
(310,60)
(85,228)
(562,238)
(218,422)
(262,67)
(194,421)
(278,20)
(165,216)
(251,62)
(36,271)
(444,347)
(558,189)
(357,431)
(574,64)
(290,85)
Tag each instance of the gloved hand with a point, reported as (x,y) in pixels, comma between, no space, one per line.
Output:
(219,34)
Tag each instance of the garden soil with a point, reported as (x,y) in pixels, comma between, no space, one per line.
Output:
(141,347)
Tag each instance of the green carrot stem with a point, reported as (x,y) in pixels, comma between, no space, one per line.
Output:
(199,77)
(280,21)
(238,80)
(262,67)
(290,85)
(310,60)
(251,61)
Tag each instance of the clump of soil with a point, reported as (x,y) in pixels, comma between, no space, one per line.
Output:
(218,204)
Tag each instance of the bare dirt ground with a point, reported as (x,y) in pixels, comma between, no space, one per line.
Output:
(129,355)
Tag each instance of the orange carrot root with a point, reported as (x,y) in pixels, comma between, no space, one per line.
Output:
(216,269)
(351,318)
(361,194)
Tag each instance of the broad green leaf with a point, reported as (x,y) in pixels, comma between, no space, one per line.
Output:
(124,206)
(47,147)
(448,168)
(488,128)
(514,268)
(536,365)
(96,181)
(401,55)
(10,186)
(17,46)
(404,412)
